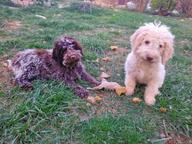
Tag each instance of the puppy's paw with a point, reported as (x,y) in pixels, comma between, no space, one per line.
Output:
(150,101)
(27,87)
(129,91)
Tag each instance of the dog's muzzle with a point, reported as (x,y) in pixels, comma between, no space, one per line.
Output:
(71,60)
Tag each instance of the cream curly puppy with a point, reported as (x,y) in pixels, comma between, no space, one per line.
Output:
(152,47)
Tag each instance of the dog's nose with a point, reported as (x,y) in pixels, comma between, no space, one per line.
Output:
(74,58)
(149,58)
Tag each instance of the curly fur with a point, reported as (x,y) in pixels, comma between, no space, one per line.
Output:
(152,47)
(63,63)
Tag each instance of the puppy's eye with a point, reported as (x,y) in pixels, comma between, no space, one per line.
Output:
(160,46)
(147,42)
(64,47)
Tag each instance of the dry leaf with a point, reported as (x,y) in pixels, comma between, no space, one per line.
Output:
(98,98)
(5,64)
(107,85)
(120,90)
(106,59)
(104,75)
(102,68)
(136,100)
(91,100)
(97,60)
(114,48)
(163,110)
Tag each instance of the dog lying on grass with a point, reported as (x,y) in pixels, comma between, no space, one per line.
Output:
(63,63)
(152,47)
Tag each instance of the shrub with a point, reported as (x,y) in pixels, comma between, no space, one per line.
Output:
(185,7)
(87,7)
(141,5)
(81,6)
(163,6)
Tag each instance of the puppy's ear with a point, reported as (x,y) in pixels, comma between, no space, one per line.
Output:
(168,50)
(137,38)
(78,46)
(58,52)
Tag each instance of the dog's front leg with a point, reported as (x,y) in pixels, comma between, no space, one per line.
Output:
(79,90)
(130,84)
(89,78)
(150,92)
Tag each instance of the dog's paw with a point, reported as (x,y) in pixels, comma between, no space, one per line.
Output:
(129,91)
(27,87)
(150,101)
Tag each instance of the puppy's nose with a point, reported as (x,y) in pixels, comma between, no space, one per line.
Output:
(149,58)
(74,58)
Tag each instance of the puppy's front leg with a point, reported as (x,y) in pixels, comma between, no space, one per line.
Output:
(130,84)
(79,90)
(150,92)
(89,78)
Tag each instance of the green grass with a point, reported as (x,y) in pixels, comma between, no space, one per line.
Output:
(51,113)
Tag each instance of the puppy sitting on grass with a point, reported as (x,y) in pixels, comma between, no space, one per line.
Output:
(63,63)
(152,47)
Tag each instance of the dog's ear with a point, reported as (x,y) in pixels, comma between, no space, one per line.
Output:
(168,50)
(77,46)
(58,51)
(137,38)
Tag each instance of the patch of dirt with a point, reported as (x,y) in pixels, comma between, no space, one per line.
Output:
(24,2)
(5,38)
(99,30)
(12,25)
(187,53)
(5,73)
(5,80)
(184,42)
(178,139)
(171,138)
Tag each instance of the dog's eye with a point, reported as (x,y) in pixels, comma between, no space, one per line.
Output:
(160,46)
(64,47)
(147,42)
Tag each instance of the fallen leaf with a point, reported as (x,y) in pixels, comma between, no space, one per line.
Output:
(163,110)
(5,64)
(91,99)
(104,75)
(136,100)
(107,85)
(97,60)
(106,59)
(114,48)
(120,90)
(98,98)
(102,68)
